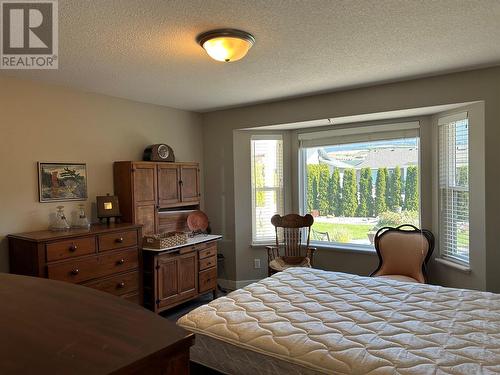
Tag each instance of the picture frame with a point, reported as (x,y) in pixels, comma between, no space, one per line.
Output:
(61,182)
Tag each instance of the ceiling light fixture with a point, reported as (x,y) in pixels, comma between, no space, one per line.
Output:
(226,45)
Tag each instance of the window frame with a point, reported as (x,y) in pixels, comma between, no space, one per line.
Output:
(280,190)
(444,256)
(363,130)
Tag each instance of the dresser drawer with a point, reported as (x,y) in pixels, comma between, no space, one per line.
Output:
(207,280)
(208,262)
(117,285)
(211,251)
(133,297)
(117,240)
(204,245)
(77,271)
(70,248)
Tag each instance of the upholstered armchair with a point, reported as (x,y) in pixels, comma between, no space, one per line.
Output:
(292,243)
(403,253)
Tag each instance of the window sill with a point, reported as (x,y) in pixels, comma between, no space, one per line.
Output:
(329,247)
(260,245)
(344,248)
(458,266)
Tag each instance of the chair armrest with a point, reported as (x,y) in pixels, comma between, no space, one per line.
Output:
(310,253)
(272,252)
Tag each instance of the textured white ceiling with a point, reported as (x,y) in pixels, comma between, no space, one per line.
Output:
(145,50)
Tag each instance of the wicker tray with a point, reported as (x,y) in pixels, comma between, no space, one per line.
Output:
(164,240)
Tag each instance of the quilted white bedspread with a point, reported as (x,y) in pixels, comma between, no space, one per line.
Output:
(339,323)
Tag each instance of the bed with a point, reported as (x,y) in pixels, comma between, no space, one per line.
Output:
(309,321)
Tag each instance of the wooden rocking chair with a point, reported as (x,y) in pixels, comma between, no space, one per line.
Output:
(290,231)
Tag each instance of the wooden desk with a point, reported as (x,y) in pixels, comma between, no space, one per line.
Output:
(52,327)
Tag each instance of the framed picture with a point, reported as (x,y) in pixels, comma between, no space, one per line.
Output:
(62,182)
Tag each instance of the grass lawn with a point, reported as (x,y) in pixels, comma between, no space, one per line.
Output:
(463,238)
(354,231)
(347,232)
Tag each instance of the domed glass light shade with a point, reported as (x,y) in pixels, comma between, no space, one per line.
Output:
(226,45)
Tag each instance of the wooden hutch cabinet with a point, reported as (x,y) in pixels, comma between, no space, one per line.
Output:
(145,188)
(160,196)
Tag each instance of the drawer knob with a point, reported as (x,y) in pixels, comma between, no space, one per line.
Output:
(73,248)
(120,285)
(119,240)
(121,261)
(75,272)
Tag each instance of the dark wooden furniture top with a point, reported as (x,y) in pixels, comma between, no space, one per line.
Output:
(49,235)
(51,327)
(291,248)
(104,257)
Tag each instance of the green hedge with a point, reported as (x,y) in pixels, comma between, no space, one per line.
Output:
(329,196)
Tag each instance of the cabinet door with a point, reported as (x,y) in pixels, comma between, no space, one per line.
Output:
(147,216)
(188,274)
(167,279)
(168,185)
(145,196)
(144,183)
(190,183)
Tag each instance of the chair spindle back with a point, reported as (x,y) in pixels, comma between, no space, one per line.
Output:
(291,230)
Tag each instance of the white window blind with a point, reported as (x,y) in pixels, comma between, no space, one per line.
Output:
(267,185)
(454,187)
(359,134)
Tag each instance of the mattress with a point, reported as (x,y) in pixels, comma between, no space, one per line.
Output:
(232,359)
(336,323)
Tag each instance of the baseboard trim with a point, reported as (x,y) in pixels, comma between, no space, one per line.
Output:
(235,284)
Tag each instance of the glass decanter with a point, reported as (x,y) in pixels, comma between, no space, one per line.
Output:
(81,219)
(60,223)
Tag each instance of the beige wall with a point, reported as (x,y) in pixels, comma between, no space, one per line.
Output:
(479,85)
(40,122)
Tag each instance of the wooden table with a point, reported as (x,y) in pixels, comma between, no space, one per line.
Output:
(52,327)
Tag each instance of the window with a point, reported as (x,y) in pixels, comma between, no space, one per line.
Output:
(454,188)
(357,180)
(267,185)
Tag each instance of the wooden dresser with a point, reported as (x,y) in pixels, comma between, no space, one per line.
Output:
(106,257)
(175,275)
